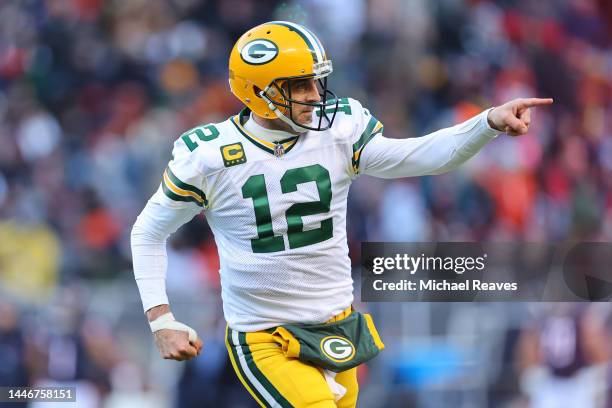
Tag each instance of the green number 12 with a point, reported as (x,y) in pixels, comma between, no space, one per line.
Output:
(266,241)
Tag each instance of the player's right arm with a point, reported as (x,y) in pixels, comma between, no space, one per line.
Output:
(440,151)
(179,198)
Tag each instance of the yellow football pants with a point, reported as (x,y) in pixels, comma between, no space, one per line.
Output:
(278,381)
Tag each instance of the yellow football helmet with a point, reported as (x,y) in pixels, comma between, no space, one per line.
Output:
(267,58)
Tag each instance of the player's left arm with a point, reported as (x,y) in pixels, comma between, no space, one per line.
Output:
(445,149)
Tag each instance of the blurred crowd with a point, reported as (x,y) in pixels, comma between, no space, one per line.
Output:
(93,93)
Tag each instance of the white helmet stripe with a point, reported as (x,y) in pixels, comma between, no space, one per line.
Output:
(317,41)
(306,34)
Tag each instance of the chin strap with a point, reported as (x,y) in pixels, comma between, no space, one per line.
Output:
(166,321)
(296,128)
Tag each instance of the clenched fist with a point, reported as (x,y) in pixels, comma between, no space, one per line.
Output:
(514,117)
(174,344)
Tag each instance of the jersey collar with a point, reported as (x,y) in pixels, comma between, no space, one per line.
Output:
(243,116)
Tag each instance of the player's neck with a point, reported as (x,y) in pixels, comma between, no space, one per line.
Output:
(274,124)
(269,129)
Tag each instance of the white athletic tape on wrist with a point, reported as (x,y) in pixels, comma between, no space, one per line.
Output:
(166,321)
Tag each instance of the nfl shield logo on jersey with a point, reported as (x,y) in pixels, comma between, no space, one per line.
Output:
(279,150)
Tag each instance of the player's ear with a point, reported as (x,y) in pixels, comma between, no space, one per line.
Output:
(277,92)
(282,86)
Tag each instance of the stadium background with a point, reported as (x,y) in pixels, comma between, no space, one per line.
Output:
(93,92)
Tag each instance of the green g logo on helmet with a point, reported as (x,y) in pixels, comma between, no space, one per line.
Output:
(337,348)
(259,52)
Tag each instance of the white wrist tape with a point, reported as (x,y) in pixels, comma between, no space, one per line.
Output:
(166,321)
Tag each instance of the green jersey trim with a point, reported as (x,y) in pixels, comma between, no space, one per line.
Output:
(177,190)
(373,128)
(262,144)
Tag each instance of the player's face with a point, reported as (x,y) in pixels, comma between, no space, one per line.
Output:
(304,90)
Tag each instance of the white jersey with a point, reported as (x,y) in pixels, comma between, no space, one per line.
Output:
(278,212)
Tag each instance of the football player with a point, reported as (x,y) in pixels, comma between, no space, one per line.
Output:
(273,182)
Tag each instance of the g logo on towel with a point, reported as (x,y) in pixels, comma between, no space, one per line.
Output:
(338,349)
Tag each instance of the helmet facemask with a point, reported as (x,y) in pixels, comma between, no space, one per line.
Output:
(280,101)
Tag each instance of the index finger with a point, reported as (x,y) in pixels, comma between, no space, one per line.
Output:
(531,102)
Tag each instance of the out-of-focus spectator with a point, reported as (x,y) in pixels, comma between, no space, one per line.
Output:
(29,259)
(14,354)
(563,358)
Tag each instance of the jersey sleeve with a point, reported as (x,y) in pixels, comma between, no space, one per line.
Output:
(183,181)
(366,128)
(148,242)
(436,153)
(179,198)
